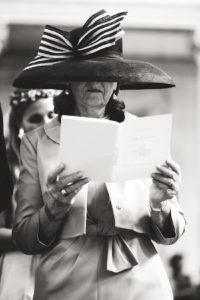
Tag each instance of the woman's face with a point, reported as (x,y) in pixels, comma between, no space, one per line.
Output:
(37,114)
(91,97)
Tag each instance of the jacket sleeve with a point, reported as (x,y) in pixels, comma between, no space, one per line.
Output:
(29,202)
(174,225)
(168,225)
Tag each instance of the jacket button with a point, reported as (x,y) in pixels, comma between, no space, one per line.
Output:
(118,207)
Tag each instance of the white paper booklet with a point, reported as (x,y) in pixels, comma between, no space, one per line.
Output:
(109,151)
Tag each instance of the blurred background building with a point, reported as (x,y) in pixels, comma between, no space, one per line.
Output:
(164,32)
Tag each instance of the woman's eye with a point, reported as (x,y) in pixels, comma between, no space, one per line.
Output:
(51,115)
(35,119)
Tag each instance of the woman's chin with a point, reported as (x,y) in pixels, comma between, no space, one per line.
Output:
(94,112)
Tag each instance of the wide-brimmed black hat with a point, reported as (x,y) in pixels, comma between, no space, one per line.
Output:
(90,53)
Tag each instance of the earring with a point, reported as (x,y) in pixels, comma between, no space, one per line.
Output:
(114,96)
(66,92)
(21,133)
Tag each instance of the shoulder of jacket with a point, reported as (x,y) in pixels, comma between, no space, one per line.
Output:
(38,133)
(32,137)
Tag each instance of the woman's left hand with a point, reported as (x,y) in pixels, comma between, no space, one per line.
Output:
(166,182)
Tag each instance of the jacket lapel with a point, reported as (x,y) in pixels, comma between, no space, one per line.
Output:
(52,130)
(75,221)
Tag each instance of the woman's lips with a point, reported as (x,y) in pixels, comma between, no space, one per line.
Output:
(94,98)
(94,91)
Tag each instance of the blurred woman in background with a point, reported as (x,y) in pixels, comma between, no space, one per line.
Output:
(29,110)
(27,113)
(93,236)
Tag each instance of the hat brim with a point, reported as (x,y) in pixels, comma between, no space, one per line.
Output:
(130,74)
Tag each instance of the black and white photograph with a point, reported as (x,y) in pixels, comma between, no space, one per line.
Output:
(99,150)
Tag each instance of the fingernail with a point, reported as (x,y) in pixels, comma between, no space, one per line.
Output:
(62,165)
(159,168)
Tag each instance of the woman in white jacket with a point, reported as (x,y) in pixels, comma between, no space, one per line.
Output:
(95,239)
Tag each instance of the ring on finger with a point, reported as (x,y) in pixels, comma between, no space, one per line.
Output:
(64,192)
(171,186)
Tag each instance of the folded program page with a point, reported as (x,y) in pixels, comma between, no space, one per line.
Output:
(144,143)
(109,151)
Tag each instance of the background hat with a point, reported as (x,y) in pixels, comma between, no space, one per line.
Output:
(90,53)
(20,97)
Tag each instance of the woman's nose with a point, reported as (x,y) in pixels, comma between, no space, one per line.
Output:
(94,83)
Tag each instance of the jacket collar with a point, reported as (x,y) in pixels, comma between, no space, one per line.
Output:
(52,130)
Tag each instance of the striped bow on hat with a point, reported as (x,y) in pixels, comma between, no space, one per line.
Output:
(99,32)
(92,52)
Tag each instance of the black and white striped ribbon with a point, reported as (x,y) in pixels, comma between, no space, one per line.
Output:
(99,32)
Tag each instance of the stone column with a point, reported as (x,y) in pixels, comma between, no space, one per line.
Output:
(4,35)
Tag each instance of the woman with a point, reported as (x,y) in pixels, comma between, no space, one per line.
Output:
(29,109)
(95,239)
(26,114)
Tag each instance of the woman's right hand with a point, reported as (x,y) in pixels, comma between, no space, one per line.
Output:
(61,192)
